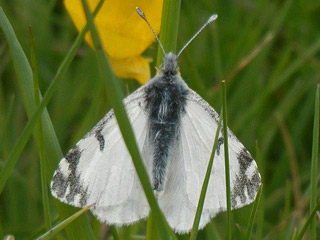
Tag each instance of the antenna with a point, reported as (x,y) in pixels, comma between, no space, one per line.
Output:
(210,20)
(140,12)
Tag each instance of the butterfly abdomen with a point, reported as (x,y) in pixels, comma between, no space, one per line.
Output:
(165,105)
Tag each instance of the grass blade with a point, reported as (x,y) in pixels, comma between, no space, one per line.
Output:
(242,233)
(114,233)
(81,228)
(116,96)
(44,178)
(205,184)
(25,78)
(19,58)
(314,163)
(294,167)
(308,222)
(169,27)
(152,231)
(6,126)
(52,232)
(41,230)
(226,158)
(253,214)
(260,214)
(294,234)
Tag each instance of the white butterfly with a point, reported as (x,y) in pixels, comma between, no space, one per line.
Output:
(174,128)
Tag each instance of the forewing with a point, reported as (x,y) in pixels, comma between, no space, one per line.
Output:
(99,169)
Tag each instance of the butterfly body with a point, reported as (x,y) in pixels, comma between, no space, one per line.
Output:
(165,101)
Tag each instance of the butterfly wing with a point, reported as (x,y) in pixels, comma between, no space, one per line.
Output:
(99,169)
(189,159)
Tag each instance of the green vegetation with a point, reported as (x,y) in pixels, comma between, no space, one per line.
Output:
(268,52)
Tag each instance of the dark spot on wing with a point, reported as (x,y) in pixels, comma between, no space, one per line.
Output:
(83,197)
(60,183)
(243,182)
(220,142)
(244,159)
(72,157)
(100,139)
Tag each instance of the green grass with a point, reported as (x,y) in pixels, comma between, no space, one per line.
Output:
(226,158)
(56,229)
(268,53)
(41,150)
(169,27)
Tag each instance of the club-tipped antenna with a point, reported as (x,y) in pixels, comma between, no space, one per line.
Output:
(210,20)
(140,12)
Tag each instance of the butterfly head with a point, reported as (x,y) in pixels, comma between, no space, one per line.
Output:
(169,66)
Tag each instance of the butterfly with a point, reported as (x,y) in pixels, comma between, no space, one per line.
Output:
(174,128)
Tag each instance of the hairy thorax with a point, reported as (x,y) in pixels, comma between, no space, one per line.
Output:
(165,98)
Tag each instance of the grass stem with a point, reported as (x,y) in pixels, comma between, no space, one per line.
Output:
(205,184)
(169,27)
(226,159)
(314,164)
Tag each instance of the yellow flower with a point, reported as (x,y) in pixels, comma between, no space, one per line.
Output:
(124,34)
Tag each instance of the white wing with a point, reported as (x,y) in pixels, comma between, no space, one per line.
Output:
(188,164)
(99,169)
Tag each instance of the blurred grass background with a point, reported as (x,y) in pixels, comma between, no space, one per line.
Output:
(268,51)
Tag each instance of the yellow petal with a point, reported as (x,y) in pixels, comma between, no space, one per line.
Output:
(123,32)
(135,67)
